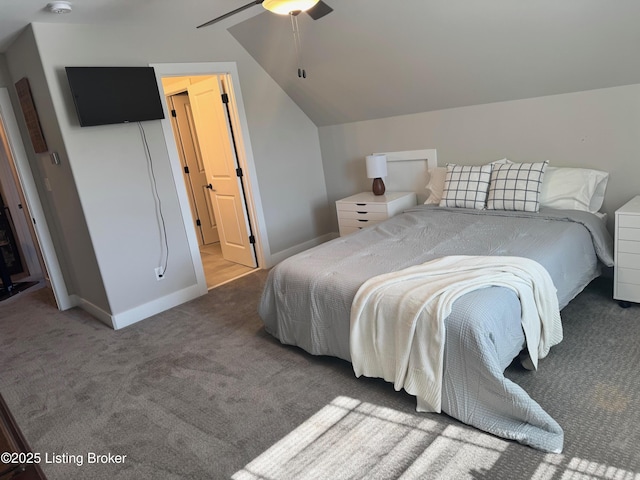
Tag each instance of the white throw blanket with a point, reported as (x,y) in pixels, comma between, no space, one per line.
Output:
(397,319)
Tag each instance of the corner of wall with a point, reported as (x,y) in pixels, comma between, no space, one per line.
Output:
(139,313)
(284,254)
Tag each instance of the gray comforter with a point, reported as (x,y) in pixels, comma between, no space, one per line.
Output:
(307,300)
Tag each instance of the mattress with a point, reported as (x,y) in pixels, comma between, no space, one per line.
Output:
(307,300)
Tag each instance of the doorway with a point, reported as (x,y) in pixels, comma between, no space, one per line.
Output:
(204,135)
(21,261)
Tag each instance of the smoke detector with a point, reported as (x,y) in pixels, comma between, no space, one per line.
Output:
(59,7)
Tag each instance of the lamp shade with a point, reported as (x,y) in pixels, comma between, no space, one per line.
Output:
(376,166)
(284,7)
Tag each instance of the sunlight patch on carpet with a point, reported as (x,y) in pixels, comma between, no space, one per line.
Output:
(348,438)
(557,466)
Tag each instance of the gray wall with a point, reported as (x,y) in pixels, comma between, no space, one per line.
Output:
(56,187)
(5,78)
(592,129)
(107,166)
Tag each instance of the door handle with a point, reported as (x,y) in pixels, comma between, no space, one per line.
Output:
(210,187)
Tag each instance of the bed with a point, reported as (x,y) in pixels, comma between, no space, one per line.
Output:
(308,297)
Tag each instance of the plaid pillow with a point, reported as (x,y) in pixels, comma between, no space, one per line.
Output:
(516,186)
(466,186)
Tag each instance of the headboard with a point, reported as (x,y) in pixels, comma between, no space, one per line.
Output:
(408,171)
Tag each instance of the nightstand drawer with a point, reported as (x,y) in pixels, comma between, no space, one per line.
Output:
(632,221)
(361,207)
(628,246)
(626,283)
(627,291)
(347,230)
(628,260)
(629,234)
(365,209)
(360,215)
(355,222)
(629,275)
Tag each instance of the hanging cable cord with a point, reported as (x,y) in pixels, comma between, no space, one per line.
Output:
(297,40)
(164,256)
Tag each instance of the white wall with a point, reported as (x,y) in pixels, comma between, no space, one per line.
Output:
(593,129)
(108,166)
(60,201)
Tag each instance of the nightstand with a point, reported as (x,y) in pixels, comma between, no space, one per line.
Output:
(626,277)
(365,209)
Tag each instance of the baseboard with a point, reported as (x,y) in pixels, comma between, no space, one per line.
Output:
(301,247)
(154,307)
(91,309)
(136,314)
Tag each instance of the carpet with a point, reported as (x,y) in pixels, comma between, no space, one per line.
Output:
(201,391)
(350,439)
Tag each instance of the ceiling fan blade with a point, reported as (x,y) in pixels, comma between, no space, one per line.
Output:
(232,12)
(319,10)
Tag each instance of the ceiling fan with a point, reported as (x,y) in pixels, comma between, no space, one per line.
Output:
(316,9)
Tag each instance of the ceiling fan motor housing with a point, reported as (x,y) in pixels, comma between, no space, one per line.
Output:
(284,7)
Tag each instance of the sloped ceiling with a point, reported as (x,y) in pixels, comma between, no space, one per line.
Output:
(378,58)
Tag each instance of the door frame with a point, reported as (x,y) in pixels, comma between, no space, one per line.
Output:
(245,157)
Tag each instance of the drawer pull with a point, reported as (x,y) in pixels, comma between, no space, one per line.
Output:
(362,220)
(361,204)
(362,213)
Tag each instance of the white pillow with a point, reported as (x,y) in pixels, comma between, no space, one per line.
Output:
(516,186)
(436,182)
(436,185)
(500,162)
(573,189)
(466,186)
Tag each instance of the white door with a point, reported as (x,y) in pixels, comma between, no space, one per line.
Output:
(214,137)
(195,175)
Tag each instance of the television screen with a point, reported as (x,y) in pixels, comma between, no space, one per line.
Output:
(106,95)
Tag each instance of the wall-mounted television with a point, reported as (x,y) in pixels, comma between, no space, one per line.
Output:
(107,95)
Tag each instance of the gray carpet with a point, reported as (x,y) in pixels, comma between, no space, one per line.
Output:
(202,392)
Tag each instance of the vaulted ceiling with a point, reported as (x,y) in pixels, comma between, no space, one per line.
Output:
(378,58)
(374,58)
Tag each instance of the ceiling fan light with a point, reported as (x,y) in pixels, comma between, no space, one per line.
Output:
(284,7)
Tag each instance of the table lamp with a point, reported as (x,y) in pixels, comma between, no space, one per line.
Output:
(376,169)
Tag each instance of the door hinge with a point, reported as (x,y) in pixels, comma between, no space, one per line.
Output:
(252,239)
(173,113)
(225,98)
(186,169)
(198,223)
(238,172)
